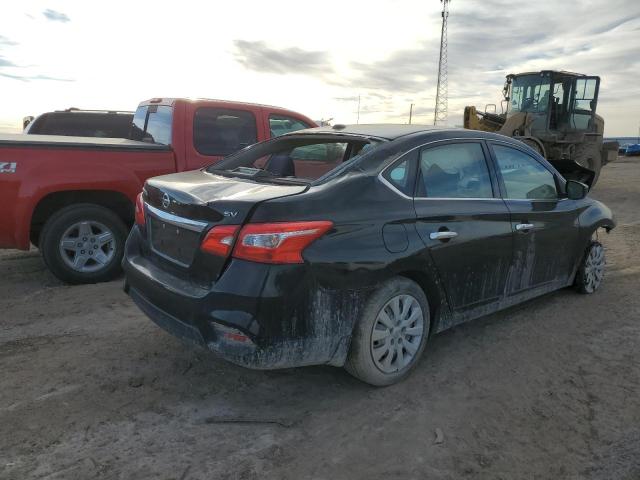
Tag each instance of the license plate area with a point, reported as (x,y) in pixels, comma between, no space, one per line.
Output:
(172,239)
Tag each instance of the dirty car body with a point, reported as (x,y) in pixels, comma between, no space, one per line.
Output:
(439,207)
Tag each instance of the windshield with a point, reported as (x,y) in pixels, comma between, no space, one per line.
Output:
(304,158)
(530,93)
(152,124)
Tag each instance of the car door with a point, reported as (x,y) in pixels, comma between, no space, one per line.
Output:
(544,225)
(463,222)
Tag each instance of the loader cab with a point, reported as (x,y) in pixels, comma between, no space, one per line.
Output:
(554,102)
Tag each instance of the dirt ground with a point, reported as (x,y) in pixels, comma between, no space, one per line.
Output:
(90,388)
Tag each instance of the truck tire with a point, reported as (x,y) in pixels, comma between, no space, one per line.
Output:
(83,243)
(391,333)
(589,156)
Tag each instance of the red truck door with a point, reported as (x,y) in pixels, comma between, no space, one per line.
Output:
(214,130)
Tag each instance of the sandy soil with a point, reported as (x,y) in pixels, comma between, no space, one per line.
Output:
(548,390)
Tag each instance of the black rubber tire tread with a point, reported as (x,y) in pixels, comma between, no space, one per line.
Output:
(579,282)
(359,362)
(588,155)
(60,221)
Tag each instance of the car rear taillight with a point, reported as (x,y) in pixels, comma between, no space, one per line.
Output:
(219,240)
(139,210)
(278,242)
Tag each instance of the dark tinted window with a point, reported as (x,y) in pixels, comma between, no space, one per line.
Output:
(281,124)
(152,123)
(457,170)
(82,124)
(524,177)
(221,131)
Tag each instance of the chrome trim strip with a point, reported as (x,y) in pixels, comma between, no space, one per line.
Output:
(193,225)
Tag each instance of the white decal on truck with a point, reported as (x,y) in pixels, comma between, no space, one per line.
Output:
(8,167)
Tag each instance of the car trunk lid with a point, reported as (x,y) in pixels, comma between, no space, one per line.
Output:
(181,208)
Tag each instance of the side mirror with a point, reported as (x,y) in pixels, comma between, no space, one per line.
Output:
(26,121)
(576,190)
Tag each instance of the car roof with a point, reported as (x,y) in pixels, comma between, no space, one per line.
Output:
(388,131)
(170,101)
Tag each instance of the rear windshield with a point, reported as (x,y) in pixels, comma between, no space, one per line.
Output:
(82,124)
(304,158)
(152,124)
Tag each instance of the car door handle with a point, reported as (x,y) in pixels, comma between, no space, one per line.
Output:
(447,235)
(524,227)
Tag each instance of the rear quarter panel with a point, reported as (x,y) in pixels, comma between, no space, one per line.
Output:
(41,171)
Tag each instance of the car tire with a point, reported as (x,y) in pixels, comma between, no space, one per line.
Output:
(83,243)
(591,270)
(390,334)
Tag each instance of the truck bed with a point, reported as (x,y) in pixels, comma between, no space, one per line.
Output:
(60,141)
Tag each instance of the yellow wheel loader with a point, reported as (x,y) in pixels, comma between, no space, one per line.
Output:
(554,112)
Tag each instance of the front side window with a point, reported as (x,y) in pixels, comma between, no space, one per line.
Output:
(152,124)
(456,170)
(221,131)
(524,177)
(281,124)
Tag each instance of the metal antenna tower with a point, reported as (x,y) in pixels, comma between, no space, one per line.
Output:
(440,114)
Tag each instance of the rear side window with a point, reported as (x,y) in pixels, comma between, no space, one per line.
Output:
(456,170)
(524,177)
(281,124)
(402,174)
(152,123)
(221,131)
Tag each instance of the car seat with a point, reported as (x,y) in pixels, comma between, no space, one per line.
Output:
(281,165)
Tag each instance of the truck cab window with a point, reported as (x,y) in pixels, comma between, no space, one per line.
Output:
(152,124)
(281,124)
(221,131)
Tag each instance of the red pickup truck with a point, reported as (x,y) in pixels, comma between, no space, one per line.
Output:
(74,197)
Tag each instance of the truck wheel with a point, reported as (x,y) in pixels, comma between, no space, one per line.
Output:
(589,156)
(83,243)
(391,333)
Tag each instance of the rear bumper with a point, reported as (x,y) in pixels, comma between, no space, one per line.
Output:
(255,315)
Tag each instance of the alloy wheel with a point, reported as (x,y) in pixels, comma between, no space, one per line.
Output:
(397,333)
(87,246)
(594,268)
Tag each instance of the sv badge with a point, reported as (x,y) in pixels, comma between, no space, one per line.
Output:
(230,214)
(8,167)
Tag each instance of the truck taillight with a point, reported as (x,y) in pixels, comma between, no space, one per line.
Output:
(139,209)
(219,240)
(278,242)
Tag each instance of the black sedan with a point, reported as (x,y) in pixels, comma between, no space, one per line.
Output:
(352,245)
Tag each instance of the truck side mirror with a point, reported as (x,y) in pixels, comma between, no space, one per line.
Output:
(576,190)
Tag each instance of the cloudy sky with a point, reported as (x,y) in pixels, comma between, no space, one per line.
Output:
(313,57)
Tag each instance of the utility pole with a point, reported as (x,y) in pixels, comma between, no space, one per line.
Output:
(442,94)
(358,119)
(410,113)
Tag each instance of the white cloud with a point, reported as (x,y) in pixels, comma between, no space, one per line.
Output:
(312,57)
